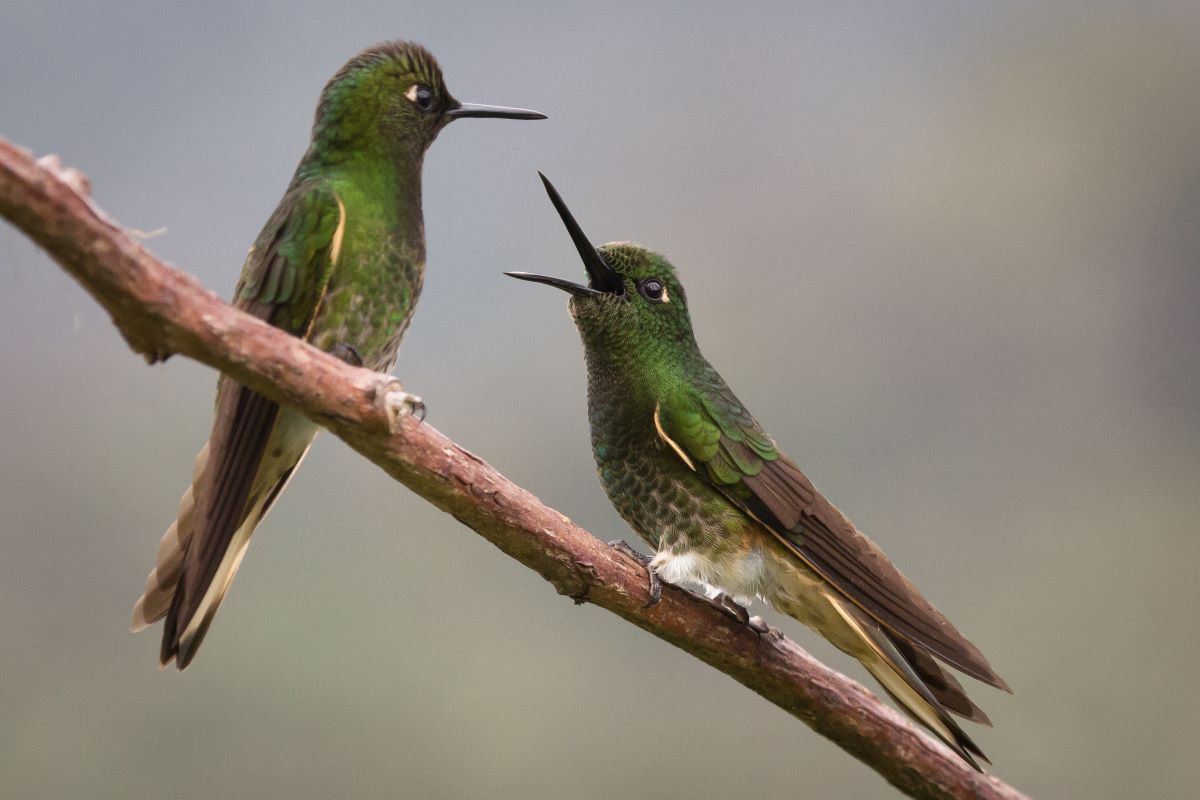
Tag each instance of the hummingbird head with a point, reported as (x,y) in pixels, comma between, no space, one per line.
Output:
(392,96)
(633,301)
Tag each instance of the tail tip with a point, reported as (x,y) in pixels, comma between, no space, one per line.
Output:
(139,622)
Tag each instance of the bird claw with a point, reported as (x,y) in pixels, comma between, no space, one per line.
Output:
(655,588)
(739,612)
(398,404)
(622,546)
(732,608)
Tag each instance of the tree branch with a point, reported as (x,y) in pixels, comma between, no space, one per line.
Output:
(161,311)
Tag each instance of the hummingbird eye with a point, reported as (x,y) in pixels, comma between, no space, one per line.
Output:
(421,96)
(653,290)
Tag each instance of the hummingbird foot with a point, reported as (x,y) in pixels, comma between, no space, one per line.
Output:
(347,353)
(739,612)
(398,404)
(731,607)
(622,546)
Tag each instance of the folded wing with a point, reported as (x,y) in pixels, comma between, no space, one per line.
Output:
(714,433)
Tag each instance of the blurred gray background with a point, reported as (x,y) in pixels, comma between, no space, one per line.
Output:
(948,253)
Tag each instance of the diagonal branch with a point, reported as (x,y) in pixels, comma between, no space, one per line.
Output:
(161,311)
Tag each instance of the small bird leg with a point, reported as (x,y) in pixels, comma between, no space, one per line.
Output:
(655,584)
(398,404)
(401,404)
(731,607)
(738,612)
(347,353)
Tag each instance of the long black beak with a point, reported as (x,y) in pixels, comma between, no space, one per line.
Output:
(463,110)
(602,279)
(577,289)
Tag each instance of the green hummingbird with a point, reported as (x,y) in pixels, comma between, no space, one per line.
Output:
(688,467)
(339,264)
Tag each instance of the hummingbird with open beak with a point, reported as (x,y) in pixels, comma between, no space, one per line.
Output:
(695,475)
(340,265)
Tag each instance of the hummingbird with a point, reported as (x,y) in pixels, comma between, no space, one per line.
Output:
(340,265)
(685,463)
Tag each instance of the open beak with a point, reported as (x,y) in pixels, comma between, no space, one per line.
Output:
(602,279)
(462,110)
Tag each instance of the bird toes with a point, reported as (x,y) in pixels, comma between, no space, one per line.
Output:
(398,404)
(347,353)
(732,607)
(622,546)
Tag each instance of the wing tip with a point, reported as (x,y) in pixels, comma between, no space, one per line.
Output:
(170,654)
(185,651)
(979,669)
(977,715)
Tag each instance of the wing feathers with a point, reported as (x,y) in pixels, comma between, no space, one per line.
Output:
(284,281)
(244,423)
(903,682)
(161,582)
(826,539)
(948,691)
(721,440)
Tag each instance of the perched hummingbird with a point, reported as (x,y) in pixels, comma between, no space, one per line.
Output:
(340,265)
(688,467)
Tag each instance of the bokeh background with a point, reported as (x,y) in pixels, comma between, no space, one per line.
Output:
(949,254)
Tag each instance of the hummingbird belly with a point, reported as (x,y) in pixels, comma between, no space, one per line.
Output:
(370,299)
(760,567)
(742,571)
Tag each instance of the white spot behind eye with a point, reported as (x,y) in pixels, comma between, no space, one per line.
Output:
(666,298)
(411,94)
